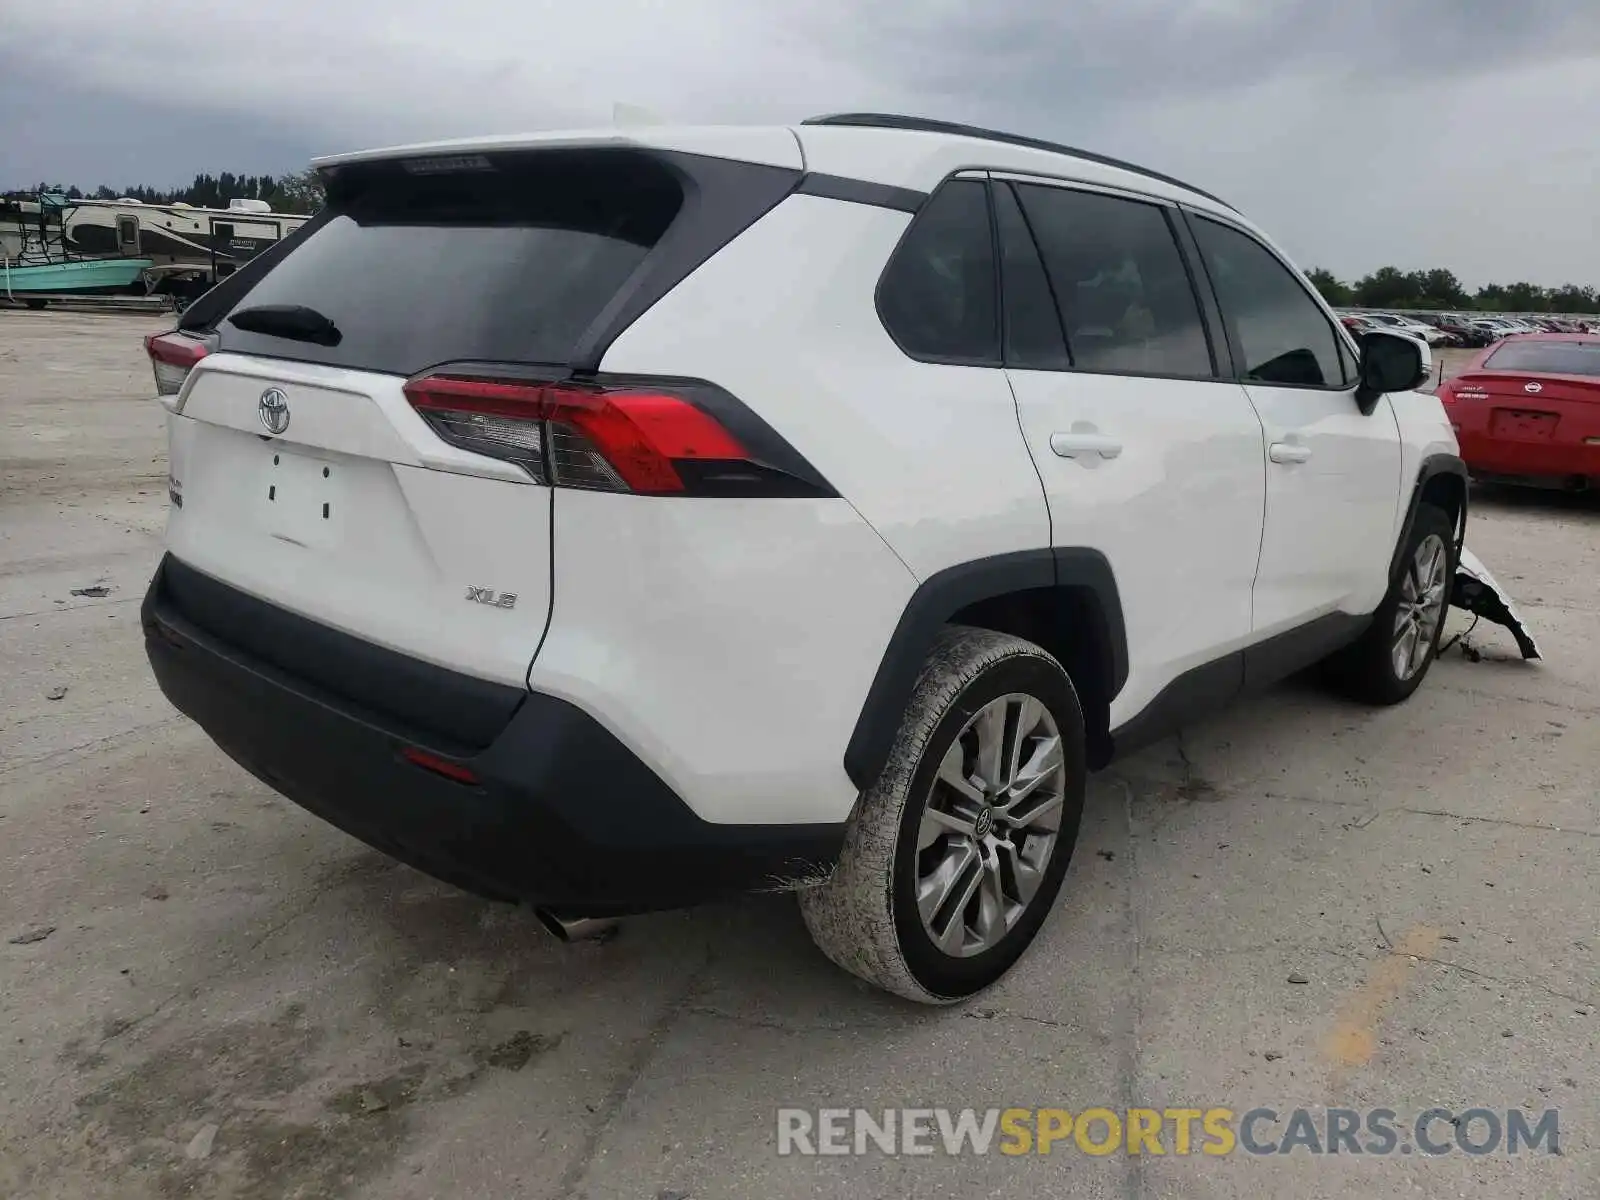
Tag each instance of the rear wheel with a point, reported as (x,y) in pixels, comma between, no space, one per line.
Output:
(1393,656)
(955,855)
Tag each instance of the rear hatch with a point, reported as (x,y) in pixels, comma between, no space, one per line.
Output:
(305,471)
(1538,390)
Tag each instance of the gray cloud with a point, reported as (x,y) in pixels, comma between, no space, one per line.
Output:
(1418,132)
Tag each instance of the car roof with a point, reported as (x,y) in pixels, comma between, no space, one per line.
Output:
(895,121)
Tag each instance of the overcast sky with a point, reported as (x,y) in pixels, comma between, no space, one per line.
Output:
(1458,133)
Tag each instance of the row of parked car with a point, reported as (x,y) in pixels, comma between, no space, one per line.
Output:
(1461,329)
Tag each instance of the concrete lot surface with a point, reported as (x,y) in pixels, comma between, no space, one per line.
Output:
(235,1000)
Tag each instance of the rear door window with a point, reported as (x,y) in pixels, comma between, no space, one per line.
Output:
(1126,300)
(511,263)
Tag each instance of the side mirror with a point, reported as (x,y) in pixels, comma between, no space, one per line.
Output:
(1391,363)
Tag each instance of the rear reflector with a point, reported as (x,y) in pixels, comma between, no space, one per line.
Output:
(439,766)
(172,356)
(640,439)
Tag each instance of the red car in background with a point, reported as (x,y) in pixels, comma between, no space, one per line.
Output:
(1527,410)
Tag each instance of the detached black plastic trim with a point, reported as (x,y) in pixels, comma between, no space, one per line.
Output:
(860,191)
(943,595)
(562,814)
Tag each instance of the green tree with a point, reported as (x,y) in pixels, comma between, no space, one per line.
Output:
(1571,298)
(1387,287)
(1527,297)
(299,192)
(1492,298)
(1438,288)
(1335,292)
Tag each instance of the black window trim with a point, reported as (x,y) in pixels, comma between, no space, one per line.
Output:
(1189,214)
(992,182)
(1216,349)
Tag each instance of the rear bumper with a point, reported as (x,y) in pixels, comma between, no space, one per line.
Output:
(561,814)
(1565,454)
(1560,458)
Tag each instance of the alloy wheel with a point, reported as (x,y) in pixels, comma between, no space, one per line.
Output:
(990,825)
(1422,603)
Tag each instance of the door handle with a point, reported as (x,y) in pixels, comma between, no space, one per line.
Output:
(1288,452)
(1082,445)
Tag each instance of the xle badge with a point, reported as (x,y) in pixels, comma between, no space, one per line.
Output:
(491,597)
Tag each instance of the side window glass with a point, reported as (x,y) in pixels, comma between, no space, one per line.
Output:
(1348,366)
(1280,330)
(937,297)
(1033,337)
(1126,301)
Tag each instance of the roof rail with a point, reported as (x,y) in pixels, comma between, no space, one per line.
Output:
(867,120)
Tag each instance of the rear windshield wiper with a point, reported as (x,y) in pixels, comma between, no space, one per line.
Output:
(294,321)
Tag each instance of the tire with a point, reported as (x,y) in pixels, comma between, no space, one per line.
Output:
(1367,670)
(866,917)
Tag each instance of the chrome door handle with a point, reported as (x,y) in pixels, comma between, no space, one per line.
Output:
(1081,445)
(1288,452)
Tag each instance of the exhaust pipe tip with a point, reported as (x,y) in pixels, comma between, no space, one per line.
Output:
(567,928)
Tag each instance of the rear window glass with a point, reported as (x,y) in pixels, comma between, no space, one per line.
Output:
(512,263)
(1547,358)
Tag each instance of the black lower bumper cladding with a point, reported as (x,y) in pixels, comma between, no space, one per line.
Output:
(557,813)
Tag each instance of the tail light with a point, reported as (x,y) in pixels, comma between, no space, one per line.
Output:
(639,438)
(173,355)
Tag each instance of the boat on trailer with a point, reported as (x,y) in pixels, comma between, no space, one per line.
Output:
(37,264)
(184,243)
(53,244)
(80,277)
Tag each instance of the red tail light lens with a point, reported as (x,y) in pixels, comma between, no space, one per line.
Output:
(172,356)
(621,439)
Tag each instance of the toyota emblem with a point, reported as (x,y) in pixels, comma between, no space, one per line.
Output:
(273,410)
(1533,385)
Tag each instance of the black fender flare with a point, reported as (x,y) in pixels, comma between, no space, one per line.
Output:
(940,597)
(1431,467)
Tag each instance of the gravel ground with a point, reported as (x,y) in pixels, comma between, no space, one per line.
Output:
(204,991)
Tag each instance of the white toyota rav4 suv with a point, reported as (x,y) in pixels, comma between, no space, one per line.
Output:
(611,522)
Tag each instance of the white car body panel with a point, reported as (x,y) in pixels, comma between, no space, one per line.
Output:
(930,455)
(1326,514)
(1177,512)
(773,145)
(411,522)
(730,644)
